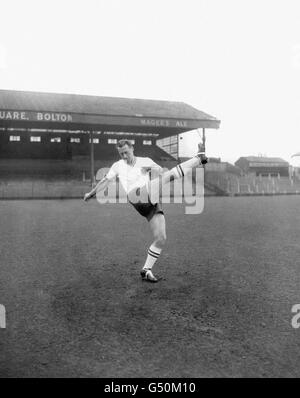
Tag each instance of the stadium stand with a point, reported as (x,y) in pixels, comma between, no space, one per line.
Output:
(249,185)
(45,138)
(77,167)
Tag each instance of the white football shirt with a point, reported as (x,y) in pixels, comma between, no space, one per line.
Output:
(132,176)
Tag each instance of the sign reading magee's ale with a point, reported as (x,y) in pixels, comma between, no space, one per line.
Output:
(164,123)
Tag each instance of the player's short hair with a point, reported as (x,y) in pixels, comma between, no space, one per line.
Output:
(123,142)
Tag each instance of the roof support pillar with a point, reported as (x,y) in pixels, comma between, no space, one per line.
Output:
(203,138)
(92,159)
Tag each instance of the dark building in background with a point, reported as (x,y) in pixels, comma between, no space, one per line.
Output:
(263,166)
(49,135)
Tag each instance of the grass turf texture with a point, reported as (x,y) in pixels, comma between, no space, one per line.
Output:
(76,307)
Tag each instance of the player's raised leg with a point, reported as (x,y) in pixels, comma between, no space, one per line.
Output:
(182,169)
(158,228)
(176,172)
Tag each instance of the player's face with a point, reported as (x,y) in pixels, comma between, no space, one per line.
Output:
(126,153)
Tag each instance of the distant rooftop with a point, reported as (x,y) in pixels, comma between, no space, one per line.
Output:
(263,159)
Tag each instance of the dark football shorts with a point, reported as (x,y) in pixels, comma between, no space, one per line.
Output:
(148,210)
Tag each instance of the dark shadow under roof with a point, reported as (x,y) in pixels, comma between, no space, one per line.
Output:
(94,112)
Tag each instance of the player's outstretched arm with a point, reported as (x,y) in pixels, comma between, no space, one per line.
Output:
(101,186)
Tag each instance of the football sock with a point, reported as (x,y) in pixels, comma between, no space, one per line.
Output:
(181,169)
(175,173)
(152,256)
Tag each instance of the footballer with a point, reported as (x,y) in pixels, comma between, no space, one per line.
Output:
(133,174)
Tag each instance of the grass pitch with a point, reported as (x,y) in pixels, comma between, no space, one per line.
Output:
(76,307)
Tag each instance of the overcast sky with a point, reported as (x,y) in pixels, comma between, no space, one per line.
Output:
(238,60)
